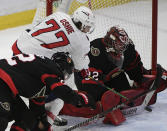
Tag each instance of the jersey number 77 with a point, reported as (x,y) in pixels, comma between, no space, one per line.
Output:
(59,34)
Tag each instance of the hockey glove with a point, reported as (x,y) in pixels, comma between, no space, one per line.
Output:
(82,99)
(85,100)
(82,73)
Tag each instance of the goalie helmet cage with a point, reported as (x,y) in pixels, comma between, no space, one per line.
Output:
(137,17)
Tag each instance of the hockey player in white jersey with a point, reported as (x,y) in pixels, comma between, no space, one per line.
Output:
(59,32)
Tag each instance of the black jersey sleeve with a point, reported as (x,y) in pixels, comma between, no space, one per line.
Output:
(58,89)
(133,64)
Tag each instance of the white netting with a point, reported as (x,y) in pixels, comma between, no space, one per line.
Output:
(40,12)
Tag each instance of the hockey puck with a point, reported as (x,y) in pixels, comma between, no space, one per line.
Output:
(147,108)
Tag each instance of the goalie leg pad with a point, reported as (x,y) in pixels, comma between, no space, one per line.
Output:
(86,112)
(109,100)
(132,93)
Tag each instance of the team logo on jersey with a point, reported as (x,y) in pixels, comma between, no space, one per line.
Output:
(5,106)
(95,51)
(41,93)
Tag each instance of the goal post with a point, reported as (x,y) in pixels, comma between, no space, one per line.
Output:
(154,34)
(137,17)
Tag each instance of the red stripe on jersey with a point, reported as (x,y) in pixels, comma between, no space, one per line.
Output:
(8,80)
(15,49)
(17,128)
(56,85)
(44,76)
(37,103)
(91,82)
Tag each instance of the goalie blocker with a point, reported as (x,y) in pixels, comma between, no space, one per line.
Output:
(109,99)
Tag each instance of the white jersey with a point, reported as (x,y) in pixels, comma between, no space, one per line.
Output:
(56,33)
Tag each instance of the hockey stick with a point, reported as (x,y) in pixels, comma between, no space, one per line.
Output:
(98,116)
(144,106)
(137,109)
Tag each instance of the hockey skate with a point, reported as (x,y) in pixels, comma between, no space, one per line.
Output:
(59,121)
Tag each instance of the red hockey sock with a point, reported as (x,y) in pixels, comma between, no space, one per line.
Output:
(109,100)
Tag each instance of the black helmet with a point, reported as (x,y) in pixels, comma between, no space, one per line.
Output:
(64,62)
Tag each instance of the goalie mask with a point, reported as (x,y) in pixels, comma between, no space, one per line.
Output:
(116,40)
(65,63)
(86,17)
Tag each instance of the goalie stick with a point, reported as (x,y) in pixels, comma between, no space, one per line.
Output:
(137,109)
(98,116)
(144,106)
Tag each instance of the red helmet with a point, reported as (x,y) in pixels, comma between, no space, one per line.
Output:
(117,39)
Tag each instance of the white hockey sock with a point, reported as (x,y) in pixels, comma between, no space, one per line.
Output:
(53,108)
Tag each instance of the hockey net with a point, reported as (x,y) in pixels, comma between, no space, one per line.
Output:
(137,17)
